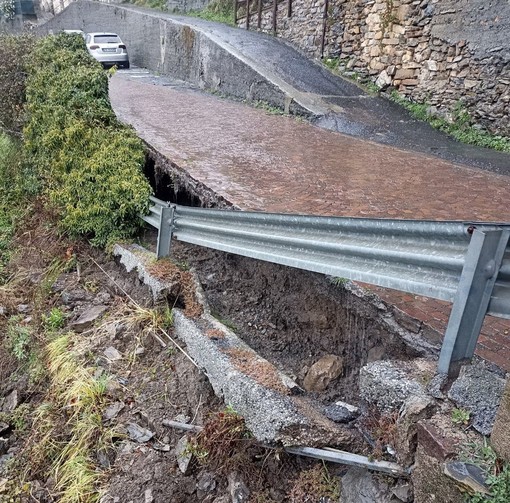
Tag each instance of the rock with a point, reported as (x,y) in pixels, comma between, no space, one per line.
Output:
(383,81)
(148,496)
(73,296)
(360,486)
(23,308)
(3,485)
(341,412)
(438,382)
(103,459)
(206,482)
(431,65)
(139,434)
(470,477)
(4,428)
(181,418)
(470,84)
(88,317)
(322,372)
(11,401)
(163,447)
(112,354)
(479,390)
(222,499)
(238,490)
(4,460)
(403,492)
(183,455)
(500,437)
(414,410)
(3,311)
(112,410)
(403,73)
(435,442)
(429,482)
(4,446)
(102,298)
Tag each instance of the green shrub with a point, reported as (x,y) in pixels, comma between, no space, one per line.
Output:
(14,54)
(10,198)
(89,164)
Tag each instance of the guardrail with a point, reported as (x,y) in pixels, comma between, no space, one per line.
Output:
(467,263)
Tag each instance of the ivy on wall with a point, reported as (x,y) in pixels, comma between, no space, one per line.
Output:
(7,9)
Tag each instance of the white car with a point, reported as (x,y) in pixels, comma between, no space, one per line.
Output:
(108,49)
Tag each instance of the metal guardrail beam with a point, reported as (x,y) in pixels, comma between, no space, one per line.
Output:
(464,263)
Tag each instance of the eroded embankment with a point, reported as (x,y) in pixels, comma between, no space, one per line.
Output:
(343,347)
(289,316)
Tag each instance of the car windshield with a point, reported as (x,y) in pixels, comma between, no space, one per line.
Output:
(107,39)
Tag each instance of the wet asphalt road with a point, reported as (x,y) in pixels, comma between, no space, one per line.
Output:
(267,162)
(348,108)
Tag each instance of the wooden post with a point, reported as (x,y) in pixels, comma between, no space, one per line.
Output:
(289,9)
(275,13)
(324,26)
(247,14)
(259,11)
(236,6)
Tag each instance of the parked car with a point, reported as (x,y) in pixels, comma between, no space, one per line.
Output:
(108,49)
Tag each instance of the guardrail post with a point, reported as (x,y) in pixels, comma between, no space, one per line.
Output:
(166,227)
(481,268)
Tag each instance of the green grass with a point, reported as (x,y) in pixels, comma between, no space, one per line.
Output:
(334,64)
(460,127)
(151,4)
(221,11)
(497,472)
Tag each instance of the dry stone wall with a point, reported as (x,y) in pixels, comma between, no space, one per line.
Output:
(448,53)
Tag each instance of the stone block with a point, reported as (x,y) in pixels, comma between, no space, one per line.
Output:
(375,51)
(429,482)
(403,73)
(435,442)
(384,80)
(500,437)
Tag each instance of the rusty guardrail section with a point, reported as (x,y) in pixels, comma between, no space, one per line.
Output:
(467,263)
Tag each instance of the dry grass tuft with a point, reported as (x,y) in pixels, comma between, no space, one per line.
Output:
(222,444)
(315,485)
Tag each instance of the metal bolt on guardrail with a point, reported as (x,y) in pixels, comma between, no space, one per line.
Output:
(467,263)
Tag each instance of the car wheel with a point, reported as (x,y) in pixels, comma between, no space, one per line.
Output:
(126,65)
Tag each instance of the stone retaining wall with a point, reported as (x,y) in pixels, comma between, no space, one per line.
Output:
(448,53)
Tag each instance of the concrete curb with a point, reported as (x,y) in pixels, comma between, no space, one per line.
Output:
(267,399)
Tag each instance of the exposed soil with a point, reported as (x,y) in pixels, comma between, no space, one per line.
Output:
(293,318)
(147,383)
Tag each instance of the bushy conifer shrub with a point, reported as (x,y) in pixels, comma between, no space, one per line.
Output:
(89,164)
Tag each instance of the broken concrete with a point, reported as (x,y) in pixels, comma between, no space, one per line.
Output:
(137,258)
(389,385)
(360,486)
(479,389)
(253,386)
